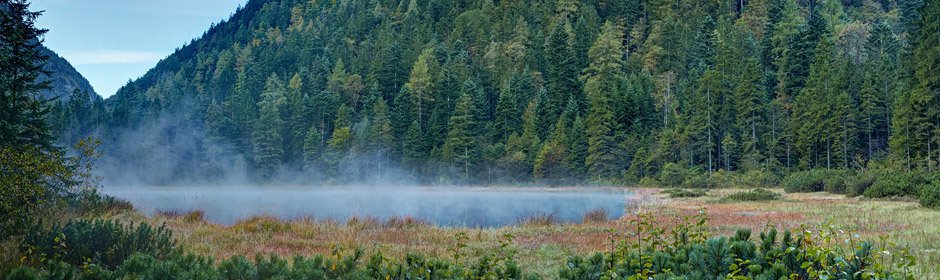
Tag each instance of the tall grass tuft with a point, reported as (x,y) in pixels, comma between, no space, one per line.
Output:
(406,222)
(595,216)
(261,224)
(539,220)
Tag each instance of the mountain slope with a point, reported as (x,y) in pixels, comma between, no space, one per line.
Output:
(556,91)
(64,79)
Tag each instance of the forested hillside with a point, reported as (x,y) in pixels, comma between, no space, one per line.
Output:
(74,108)
(556,91)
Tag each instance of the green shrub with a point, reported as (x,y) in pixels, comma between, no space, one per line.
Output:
(803,181)
(754,195)
(672,175)
(101,242)
(699,181)
(683,193)
(834,181)
(756,179)
(930,195)
(897,184)
(856,185)
(816,180)
(689,256)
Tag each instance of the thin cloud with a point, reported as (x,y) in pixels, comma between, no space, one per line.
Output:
(89,57)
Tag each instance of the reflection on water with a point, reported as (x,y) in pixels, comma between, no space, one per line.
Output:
(472,207)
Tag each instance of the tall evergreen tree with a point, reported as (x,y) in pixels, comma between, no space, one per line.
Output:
(460,148)
(561,72)
(419,84)
(22,113)
(601,79)
(267,136)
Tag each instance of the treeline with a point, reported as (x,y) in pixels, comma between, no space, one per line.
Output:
(552,91)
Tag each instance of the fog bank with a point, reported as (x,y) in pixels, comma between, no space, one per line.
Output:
(457,207)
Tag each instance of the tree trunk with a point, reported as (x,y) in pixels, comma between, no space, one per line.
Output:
(708,94)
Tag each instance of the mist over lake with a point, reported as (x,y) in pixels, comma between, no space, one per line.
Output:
(470,207)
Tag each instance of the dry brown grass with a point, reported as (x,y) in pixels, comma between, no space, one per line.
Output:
(539,220)
(595,216)
(261,224)
(191,216)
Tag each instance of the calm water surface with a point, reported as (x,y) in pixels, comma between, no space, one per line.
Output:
(472,207)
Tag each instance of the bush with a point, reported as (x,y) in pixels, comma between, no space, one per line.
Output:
(101,242)
(930,195)
(816,180)
(803,181)
(897,184)
(672,175)
(695,256)
(756,179)
(683,193)
(754,195)
(699,181)
(856,185)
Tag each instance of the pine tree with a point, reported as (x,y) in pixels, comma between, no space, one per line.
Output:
(601,79)
(925,95)
(413,153)
(561,71)
(749,97)
(577,145)
(22,116)
(267,137)
(460,148)
(218,148)
(802,53)
(381,134)
(550,163)
(243,108)
(822,115)
(419,84)
(295,128)
(508,112)
(877,92)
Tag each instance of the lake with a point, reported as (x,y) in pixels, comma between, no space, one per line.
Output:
(453,207)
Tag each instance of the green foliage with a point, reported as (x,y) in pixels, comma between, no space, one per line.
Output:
(37,182)
(684,193)
(767,87)
(817,180)
(754,195)
(602,78)
(930,195)
(101,242)
(22,115)
(897,184)
(692,255)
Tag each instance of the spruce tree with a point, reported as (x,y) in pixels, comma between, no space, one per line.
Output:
(267,136)
(419,85)
(601,79)
(22,113)
(460,147)
(561,73)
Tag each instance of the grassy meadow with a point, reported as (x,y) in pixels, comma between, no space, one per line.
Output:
(542,244)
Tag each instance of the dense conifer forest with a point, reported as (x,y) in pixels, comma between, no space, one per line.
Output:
(552,91)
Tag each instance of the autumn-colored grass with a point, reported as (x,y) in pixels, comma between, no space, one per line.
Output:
(544,244)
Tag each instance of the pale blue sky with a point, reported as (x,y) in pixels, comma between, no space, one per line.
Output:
(111,41)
